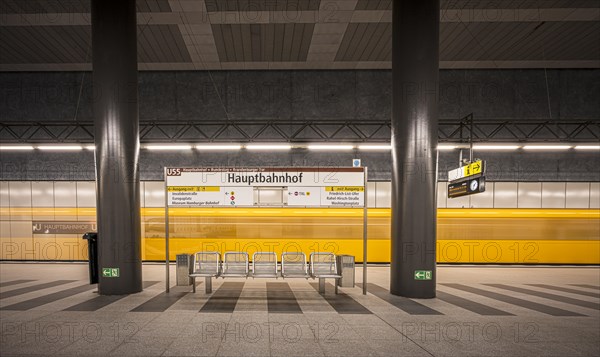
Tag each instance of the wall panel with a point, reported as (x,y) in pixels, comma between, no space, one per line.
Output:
(595,195)
(442,194)
(4,200)
(530,195)
(383,194)
(505,194)
(484,199)
(154,193)
(65,196)
(86,194)
(577,195)
(553,194)
(42,194)
(20,200)
(371,194)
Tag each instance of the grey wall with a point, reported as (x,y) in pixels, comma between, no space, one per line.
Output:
(320,95)
(364,95)
(507,166)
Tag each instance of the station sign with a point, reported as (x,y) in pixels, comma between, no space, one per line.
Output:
(72,227)
(465,188)
(235,187)
(474,168)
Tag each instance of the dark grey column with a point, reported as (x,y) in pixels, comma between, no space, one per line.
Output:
(114,46)
(415,37)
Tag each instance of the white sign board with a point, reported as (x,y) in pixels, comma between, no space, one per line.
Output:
(234,187)
(329,196)
(210,196)
(304,196)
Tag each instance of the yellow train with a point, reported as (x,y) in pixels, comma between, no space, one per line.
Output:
(513,236)
(517,236)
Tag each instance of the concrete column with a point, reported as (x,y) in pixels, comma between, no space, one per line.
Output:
(415,68)
(116,122)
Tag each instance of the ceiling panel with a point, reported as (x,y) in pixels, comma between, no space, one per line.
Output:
(487,4)
(179,35)
(502,41)
(70,6)
(484,41)
(70,44)
(366,42)
(45,44)
(262,5)
(263,43)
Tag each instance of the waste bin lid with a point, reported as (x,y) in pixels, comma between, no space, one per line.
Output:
(90,236)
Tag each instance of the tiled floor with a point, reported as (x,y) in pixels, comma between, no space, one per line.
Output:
(49,309)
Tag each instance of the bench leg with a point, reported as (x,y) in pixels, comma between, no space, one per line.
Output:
(321,286)
(208,284)
(336,286)
(194,284)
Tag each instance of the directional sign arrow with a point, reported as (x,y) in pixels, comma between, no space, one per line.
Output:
(476,167)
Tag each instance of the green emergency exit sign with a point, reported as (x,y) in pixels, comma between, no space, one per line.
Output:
(423,275)
(110,272)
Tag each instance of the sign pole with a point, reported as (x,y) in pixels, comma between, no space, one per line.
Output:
(166,232)
(365,237)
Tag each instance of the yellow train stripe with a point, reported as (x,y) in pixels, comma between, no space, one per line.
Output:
(315,212)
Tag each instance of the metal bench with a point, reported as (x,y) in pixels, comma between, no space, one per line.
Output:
(293,265)
(235,264)
(324,266)
(264,265)
(206,264)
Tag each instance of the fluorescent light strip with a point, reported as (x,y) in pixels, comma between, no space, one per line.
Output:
(268,147)
(447,147)
(547,147)
(587,147)
(495,147)
(218,147)
(90,147)
(374,147)
(16,147)
(60,147)
(330,147)
(168,147)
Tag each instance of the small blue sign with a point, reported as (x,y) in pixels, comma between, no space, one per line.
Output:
(356,163)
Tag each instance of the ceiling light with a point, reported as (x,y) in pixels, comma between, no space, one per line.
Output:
(90,147)
(168,147)
(447,147)
(495,147)
(60,147)
(374,147)
(330,147)
(16,147)
(218,147)
(268,147)
(547,147)
(587,147)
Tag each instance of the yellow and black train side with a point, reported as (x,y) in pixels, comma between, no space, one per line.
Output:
(464,235)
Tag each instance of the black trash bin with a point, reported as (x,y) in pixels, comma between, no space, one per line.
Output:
(92,238)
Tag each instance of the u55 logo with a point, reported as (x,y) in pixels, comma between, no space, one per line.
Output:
(173,172)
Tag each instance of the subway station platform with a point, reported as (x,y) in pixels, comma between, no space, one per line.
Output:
(50,309)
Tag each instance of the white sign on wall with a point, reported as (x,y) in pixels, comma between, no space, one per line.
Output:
(304,196)
(210,196)
(343,196)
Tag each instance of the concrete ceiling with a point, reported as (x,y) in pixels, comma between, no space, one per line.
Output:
(55,35)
